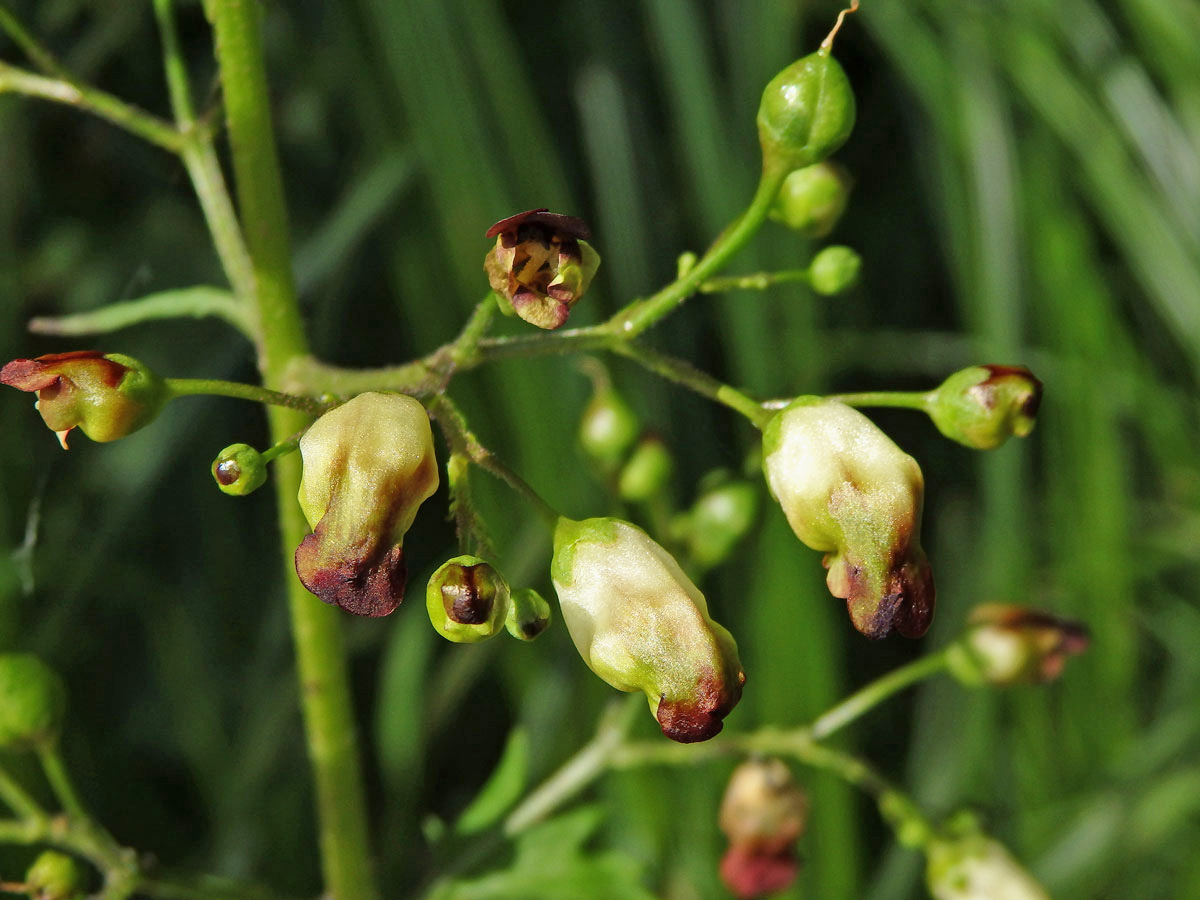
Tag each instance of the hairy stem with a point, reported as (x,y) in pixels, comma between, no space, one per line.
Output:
(193,387)
(320,651)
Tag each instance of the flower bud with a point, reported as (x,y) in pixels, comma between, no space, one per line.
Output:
(721,516)
(806,113)
(834,270)
(55,876)
(368,466)
(528,614)
(641,625)
(106,395)
(978,867)
(763,813)
(647,472)
(812,199)
(1007,645)
(982,406)
(608,429)
(239,469)
(849,491)
(33,701)
(541,265)
(467,600)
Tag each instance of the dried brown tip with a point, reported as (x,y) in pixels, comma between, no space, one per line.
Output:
(698,718)
(750,874)
(569,226)
(371,584)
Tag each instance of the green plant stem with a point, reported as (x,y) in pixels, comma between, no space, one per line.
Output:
(320,651)
(462,440)
(901,399)
(757,281)
(684,373)
(18,799)
(31,46)
(93,100)
(193,302)
(60,782)
(875,693)
(192,387)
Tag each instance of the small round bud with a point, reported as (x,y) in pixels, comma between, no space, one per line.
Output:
(806,113)
(108,396)
(812,199)
(467,600)
(56,876)
(608,429)
(1007,645)
(834,270)
(239,469)
(528,614)
(982,406)
(647,472)
(721,516)
(33,701)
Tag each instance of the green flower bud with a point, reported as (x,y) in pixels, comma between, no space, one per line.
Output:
(528,614)
(978,867)
(467,600)
(541,265)
(982,406)
(1007,645)
(812,199)
(239,469)
(33,701)
(763,812)
(850,492)
(641,625)
(721,516)
(56,876)
(647,472)
(834,270)
(107,396)
(806,113)
(608,429)
(368,466)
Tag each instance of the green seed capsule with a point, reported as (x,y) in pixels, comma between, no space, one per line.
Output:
(239,469)
(33,701)
(834,270)
(56,876)
(806,113)
(718,520)
(647,472)
(608,429)
(812,199)
(467,600)
(528,614)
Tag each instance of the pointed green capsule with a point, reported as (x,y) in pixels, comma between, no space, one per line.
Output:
(647,473)
(641,625)
(850,492)
(609,428)
(33,701)
(107,396)
(239,469)
(528,614)
(56,876)
(983,406)
(806,113)
(467,600)
(813,199)
(834,270)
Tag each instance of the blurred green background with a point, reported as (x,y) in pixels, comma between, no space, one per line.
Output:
(1027,191)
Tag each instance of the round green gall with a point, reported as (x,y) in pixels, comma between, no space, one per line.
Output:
(806,113)
(239,469)
(467,600)
(812,199)
(834,270)
(983,406)
(56,876)
(646,474)
(608,429)
(528,614)
(721,516)
(33,701)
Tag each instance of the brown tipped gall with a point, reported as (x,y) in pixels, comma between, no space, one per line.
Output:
(763,813)
(107,396)
(850,492)
(467,600)
(1006,645)
(368,466)
(540,266)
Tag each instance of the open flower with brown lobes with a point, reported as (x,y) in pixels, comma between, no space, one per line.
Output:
(467,600)
(849,491)
(1006,645)
(106,395)
(541,265)
(641,625)
(368,466)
